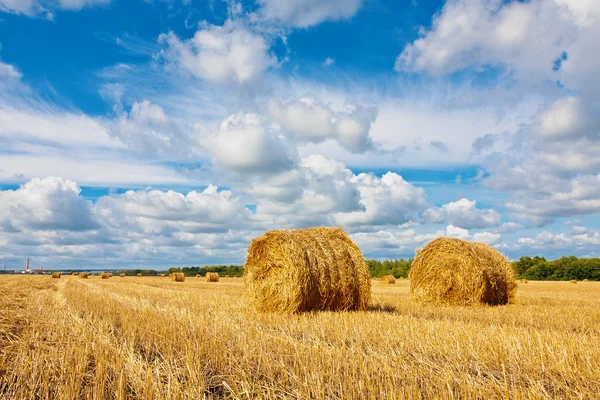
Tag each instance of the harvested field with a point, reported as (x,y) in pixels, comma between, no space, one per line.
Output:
(155,338)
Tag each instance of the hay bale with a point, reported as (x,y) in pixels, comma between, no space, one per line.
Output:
(162,275)
(586,280)
(139,275)
(56,275)
(301,270)
(524,280)
(453,271)
(226,276)
(84,275)
(73,273)
(198,275)
(105,275)
(389,279)
(573,281)
(212,277)
(121,275)
(178,277)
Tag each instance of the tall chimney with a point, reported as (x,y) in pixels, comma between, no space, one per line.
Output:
(27,265)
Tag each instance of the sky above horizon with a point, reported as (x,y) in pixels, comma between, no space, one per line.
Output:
(159,133)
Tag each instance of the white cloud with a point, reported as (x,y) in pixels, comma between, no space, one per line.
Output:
(388,200)
(8,71)
(487,237)
(328,61)
(462,213)
(228,53)
(147,128)
(245,143)
(539,39)
(306,119)
(306,13)
(47,204)
(45,7)
(456,232)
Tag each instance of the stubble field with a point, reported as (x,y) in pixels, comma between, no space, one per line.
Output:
(149,337)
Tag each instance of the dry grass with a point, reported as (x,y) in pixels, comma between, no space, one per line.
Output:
(153,338)
(302,270)
(457,272)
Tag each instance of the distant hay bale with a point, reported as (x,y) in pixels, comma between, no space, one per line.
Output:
(226,276)
(73,273)
(105,275)
(573,281)
(300,270)
(198,276)
(524,280)
(121,275)
(56,275)
(456,272)
(586,280)
(390,279)
(212,277)
(84,275)
(178,277)
(139,275)
(162,275)
(110,274)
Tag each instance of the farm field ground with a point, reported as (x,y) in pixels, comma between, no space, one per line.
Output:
(148,337)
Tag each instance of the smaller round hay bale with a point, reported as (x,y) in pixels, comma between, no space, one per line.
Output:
(226,276)
(162,275)
(457,272)
(524,280)
(388,279)
(56,275)
(212,277)
(198,275)
(178,277)
(105,275)
(586,280)
(84,275)
(121,275)
(573,281)
(73,273)
(139,275)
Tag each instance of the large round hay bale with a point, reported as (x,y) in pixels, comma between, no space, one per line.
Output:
(105,275)
(388,279)
(212,277)
(178,277)
(453,271)
(84,275)
(301,270)
(56,275)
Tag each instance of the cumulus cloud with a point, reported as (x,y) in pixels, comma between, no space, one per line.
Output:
(230,53)
(303,13)
(47,204)
(147,128)
(245,143)
(388,200)
(308,120)
(539,39)
(462,213)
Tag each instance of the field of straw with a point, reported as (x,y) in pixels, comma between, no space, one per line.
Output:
(150,338)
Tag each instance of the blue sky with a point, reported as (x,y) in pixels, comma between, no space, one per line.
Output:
(169,132)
